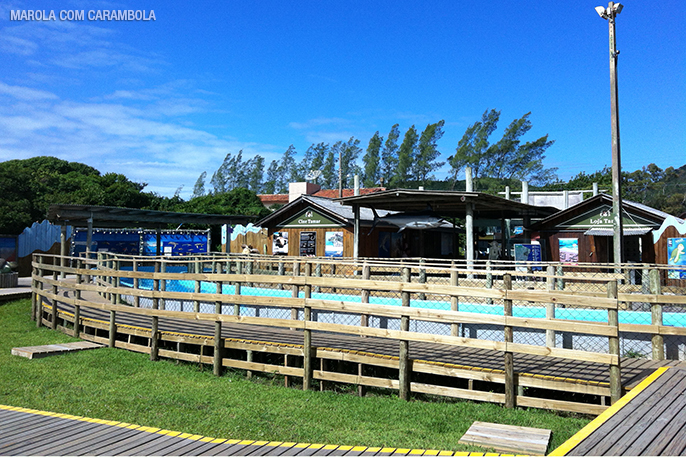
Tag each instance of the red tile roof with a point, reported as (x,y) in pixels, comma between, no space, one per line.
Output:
(333,193)
(271,199)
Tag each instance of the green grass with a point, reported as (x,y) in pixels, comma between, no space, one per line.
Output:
(124,386)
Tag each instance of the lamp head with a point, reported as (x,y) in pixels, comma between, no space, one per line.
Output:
(602,12)
(617,7)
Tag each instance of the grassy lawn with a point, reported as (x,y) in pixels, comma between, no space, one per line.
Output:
(118,385)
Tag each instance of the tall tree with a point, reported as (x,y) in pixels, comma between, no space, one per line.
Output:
(406,156)
(313,160)
(272,179)
(371,160)
(427,153)
(389,156)
(254,173)
(348,152)
(508,158)
(287,169)
(329,177)
(199,187)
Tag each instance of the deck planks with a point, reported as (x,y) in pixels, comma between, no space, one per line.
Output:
(37,352)
(651,423)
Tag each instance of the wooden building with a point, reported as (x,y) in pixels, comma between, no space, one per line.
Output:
(583,232)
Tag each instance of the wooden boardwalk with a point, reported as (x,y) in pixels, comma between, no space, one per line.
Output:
(31,432)
(651,420)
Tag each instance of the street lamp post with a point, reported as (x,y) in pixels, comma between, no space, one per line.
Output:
(609,14)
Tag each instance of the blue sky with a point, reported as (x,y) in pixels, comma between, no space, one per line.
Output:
(162,101)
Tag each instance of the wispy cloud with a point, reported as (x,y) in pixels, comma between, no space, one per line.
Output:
(25,93)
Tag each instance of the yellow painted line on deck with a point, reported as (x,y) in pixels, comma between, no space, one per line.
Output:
(607,414)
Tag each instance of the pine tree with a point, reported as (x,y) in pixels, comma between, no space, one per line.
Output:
(199,187)
(427,153)
(271,182)
(406,155)
(371,160)
(389,155)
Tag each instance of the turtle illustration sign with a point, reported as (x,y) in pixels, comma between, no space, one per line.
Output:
(676,255)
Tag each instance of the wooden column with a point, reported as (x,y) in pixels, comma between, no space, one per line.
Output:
(454,299)
(317,273)
(218,341)
(404,364)
(308,363)
(34,296)
(489,280)
(613,321)
(155,289)
(249,358)
(196,303)
(154,339)
(53,323)
(237,291)
(136,285)
(63,249)
(281,271)
(550,307)
(658,341)
(39,297)
(510,382)
(422,271)
(295,290)
(113,329)
(163,282)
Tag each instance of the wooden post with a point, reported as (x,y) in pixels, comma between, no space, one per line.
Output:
(550,307)
(217,360)
(404,364)
(237,291)
(613,321)
(77,307)
(39,297)
(308,367)
(658,341)
(34,297)
(154,339)
(155,289)
(422,274)
(560,282)
(249,358)
(489,280)
(510,384)
(136,285)
(163,282)
(53,323)
(454,299)
(281,272)
(364,294)
(296,290)
(113,329)
(317,273)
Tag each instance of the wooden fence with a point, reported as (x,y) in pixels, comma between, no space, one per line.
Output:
(95,286)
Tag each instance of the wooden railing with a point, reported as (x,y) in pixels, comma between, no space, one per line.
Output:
(69,280)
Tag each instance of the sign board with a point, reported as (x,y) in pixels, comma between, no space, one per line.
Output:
(676,255)
(569,250)
(280,243)
(333,246)
(601,217)
(527,253)
(310,218)
(308,244)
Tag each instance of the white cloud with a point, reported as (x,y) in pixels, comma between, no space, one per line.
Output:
(25,93)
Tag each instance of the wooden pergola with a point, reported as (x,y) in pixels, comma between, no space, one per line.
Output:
(91,216)
(447,204)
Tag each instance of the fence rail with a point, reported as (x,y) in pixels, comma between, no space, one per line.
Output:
(516,313)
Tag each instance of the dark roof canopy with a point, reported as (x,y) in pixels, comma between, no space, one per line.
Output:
(448,203)
(109,216)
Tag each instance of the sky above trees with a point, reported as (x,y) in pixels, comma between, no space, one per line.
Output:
(162,101)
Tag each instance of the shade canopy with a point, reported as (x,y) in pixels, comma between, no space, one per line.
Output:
(109,216)
(449,204)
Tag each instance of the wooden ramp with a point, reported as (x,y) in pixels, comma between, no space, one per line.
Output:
(31,432)
(508,438)
(37,352)
(650,420)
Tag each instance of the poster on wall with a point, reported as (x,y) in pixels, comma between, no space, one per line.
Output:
(527,253)
(280,243)
(308,244)
(676,255)
(569,250)
(333,246)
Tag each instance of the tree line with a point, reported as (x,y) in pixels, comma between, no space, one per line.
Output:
(390,162)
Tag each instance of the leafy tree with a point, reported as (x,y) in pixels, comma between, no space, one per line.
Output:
(371,159)
(254,173)
(199,187)
(237,201)
(427,153)
(329,177)
(288,171)
(313,160)
(406,156)
(348,152)
(389,155)
(272,179)
(507,158)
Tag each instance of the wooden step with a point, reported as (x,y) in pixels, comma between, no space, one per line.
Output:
(36,352)
(508,438)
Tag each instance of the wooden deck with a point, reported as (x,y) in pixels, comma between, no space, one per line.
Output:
(651,420)
(37,352)
(31,432)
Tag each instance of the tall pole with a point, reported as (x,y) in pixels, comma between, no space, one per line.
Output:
(618,239)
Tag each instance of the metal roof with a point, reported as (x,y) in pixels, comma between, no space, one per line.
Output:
(611,232)
(110,216)
(334,208)
(449,204)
